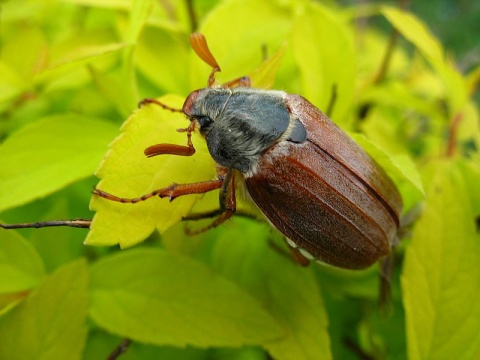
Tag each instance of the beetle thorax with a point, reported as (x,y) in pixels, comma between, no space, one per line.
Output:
(238,124)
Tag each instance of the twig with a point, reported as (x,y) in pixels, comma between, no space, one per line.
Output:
(120,349)
(452,134)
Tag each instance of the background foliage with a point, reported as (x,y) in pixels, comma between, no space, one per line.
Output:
(72,71)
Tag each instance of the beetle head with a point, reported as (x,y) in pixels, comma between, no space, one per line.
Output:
(205,105)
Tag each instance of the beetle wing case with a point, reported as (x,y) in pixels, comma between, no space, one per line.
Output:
(326,194)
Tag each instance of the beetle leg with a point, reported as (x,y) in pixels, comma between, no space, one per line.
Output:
(173,191)
(294,255)
(217,212)
(172,149)
(156,102)
(243,81)
(228,205)
(298,257)
(385,283)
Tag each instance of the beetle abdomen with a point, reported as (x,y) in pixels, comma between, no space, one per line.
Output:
(336,209)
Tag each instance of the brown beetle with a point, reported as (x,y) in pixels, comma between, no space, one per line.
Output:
(314,184)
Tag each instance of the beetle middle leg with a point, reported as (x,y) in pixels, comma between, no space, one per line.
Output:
(228,206)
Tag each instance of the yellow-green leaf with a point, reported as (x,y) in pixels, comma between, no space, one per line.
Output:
(21,267)
(48,154)
(154,296)
(327,66)
(415,31)
(52,322)
(243,253)
(441,275)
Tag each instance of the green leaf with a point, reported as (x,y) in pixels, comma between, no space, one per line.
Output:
(76,59)
(126,172)
(48,154)
(21,267)
(138,16)
(26,52)
(399,167)
(415,31)
(109,86)
(11,84)
(325,65)
(166,67)
(51,322)
(264,76)
(441,276)
(291,293)
(158,297)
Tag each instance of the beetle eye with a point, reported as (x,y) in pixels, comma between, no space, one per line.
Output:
(204,122)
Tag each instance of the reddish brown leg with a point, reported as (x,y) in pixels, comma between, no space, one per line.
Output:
(243,81)
(156,102)
(298,257)
(172,192)
(295,255)
(228,205)
(172,149)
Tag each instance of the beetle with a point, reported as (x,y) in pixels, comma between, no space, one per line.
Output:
(332,202)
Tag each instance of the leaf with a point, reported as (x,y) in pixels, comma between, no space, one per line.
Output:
(109,86)
(441,276)
(417,33)
(126,172)
(21,267)
(290,292)
(51,322)
(399,167)
(264,76)
(326,66)
(154,296)
(48,154)
(26,52)
(76,59)
(166,67)
(11,84)
(138,16)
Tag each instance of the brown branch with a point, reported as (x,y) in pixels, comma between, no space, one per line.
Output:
(390,49)
(452,134)
(192,16)
(78,223)
(120,349)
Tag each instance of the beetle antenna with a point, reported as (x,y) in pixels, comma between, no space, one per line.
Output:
(199,45)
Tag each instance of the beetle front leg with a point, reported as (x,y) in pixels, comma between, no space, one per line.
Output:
(173,149)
